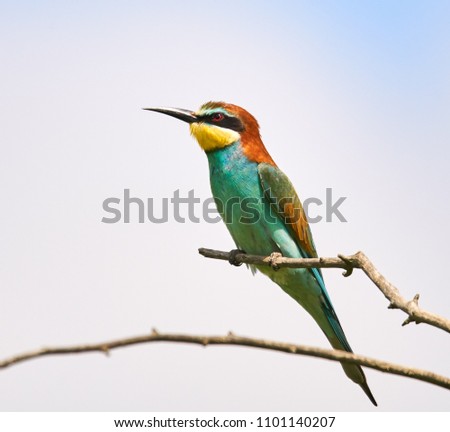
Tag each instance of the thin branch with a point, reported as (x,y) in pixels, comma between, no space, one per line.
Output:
(358,261)
(231,339)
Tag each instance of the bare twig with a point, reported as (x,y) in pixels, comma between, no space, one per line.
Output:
(359,261)
(231,339)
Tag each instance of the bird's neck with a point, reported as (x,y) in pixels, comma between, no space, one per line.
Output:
(227,158)
(249,147)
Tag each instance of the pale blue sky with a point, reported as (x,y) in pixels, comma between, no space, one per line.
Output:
(353,95)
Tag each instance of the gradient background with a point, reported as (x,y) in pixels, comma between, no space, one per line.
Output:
(353,95)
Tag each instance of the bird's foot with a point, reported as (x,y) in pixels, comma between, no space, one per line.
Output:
(273,260)
(233,257)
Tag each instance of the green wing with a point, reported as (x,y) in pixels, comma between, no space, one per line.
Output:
(285,203)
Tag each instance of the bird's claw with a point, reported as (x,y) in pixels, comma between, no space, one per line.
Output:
(273,260)
(232,259)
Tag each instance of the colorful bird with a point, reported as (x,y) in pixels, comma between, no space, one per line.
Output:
(268,216)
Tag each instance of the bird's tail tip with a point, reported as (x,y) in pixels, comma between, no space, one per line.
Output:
(369,394)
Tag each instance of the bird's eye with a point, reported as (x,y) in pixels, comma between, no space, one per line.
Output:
(217,117)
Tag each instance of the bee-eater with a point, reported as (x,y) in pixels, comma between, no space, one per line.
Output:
(242,171)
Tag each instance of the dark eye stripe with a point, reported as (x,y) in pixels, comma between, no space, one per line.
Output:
(227,122)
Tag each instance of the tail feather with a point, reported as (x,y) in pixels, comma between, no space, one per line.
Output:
(336,336)
(369,394)
(323,313)
(318,305)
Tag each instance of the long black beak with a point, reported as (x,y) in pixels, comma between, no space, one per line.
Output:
(180,114)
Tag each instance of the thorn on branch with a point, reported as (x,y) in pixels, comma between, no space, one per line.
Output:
(154,332)
(407,321)
(411,319)
(413,305)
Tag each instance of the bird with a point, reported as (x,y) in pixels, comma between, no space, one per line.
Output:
(242,170)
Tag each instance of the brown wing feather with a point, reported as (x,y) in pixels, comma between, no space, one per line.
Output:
(284,200)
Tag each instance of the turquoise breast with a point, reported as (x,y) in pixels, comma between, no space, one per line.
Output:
(239,198)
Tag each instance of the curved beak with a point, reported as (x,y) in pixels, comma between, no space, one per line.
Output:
(180,114)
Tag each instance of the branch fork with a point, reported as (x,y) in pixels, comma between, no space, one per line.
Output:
(347,262)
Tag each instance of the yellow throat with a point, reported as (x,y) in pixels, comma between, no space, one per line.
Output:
(212,137)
